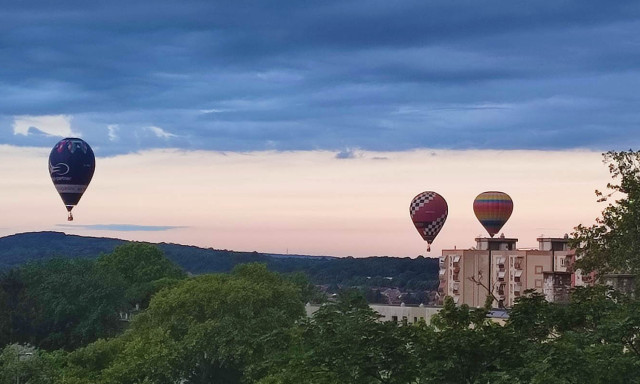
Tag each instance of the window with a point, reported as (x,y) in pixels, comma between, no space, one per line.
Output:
(562,262)
(394,319)
(516,277)
(538,269)
(538,283)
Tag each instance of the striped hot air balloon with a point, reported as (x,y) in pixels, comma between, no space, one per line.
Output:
(493,209)
(71,166)
(428,212)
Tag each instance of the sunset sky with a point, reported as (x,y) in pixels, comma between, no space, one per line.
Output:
(308,127)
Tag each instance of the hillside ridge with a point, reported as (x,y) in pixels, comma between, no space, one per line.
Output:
(418,273)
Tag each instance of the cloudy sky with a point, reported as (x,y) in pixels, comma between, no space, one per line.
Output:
(319,83)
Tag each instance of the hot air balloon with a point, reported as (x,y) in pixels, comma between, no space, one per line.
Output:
(71,166)
(428,212)
(493,209)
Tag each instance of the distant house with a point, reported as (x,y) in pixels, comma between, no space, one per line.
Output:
(410,314)
(393,295)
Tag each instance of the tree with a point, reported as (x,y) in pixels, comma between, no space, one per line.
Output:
(68,303)
(309,292)
(144,268)
(612,244)
(25,364)
(15,307)
(593,339)
(207,329)
(462,346)
(344,342)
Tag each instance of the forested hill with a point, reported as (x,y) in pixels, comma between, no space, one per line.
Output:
(419,273)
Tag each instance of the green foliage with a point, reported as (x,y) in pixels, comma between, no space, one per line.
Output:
(67,303)
(308,292)
(345,343)
(593,339)
(463,346)
(14,308)
(208,329)
(25,364)
(62,303)
(460,317)
(143,267)
(85,365)
(416,274)
(612,244)
(531,318)
(247,327)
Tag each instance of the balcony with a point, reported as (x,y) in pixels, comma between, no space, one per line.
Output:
(516,276)
(517,264)
(517,287)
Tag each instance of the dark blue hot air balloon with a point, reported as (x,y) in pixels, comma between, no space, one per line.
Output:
(71,166)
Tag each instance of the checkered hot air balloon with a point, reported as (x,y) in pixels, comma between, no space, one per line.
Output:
(493,209)
(428,212)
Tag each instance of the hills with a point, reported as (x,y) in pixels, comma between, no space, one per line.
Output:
(404,273)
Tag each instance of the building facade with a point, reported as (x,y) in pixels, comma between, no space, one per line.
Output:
(497,269)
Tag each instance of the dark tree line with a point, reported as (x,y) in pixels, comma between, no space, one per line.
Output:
(394,272)
(68,303)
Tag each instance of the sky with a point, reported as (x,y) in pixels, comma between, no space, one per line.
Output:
(307,126)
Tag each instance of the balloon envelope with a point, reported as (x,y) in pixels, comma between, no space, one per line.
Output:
(428,212)
(71,166)
(493,209)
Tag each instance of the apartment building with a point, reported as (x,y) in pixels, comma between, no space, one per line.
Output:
(497,268)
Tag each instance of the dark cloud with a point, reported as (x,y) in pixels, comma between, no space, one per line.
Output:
(294,75)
